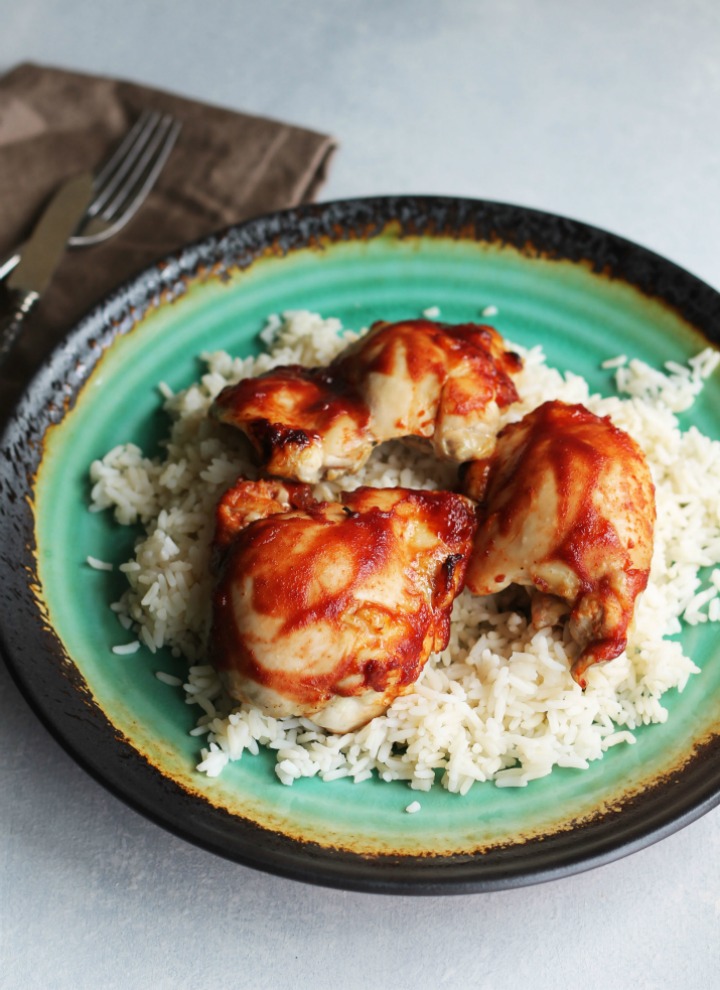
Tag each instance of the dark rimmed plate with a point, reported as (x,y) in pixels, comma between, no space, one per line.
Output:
(583,293)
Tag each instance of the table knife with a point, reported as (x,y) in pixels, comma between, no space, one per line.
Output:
(41,254)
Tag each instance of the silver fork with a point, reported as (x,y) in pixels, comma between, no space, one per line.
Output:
(122,184)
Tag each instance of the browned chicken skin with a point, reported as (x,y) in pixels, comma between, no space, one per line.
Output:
(567,507)
(331,610)
(417,378)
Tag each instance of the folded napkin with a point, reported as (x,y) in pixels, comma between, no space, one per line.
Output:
(225,167)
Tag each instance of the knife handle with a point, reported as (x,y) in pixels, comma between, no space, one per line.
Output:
(12,323)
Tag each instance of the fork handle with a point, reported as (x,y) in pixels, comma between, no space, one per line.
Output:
(12,323)
(7,264)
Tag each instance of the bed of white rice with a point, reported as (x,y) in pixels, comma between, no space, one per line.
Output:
(499,703)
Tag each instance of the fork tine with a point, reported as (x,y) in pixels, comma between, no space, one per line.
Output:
(155,167)
(108,167)
(113,173)
(157,149)
(126,178)
(144,167)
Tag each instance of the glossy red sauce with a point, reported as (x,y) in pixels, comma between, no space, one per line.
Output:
(437,349)
(578,448)
(312,398)
(292,406)
(263,497)
(289,554)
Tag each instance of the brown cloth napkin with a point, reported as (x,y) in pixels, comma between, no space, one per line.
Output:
(225,167)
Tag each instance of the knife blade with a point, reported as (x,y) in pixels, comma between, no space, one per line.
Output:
(41,253)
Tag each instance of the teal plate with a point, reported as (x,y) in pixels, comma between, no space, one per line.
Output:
(582,293)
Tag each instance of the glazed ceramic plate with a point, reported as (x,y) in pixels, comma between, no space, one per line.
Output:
(583,294)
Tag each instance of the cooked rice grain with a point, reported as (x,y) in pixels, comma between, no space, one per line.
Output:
(499,703)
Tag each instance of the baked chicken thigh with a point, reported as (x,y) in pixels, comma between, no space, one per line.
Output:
(567,508)
(330,610)
(416,378)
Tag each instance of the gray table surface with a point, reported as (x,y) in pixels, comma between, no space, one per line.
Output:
(607,112)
